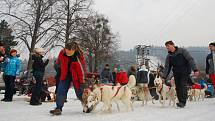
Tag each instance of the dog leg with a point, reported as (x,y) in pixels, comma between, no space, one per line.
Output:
(170,102)
(127,103)
(174,102)
(203,96)
(131,105)
(160,99)
(109,106)
(117,104)
(142,102)
(153,101)
(164,99)
(143,99)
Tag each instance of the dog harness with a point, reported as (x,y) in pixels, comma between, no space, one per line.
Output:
(101,89)
(162,89)
(116,91)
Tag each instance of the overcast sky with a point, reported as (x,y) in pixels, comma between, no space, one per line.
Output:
(187,22)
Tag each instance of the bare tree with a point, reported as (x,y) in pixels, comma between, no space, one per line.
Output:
(97,36)
(70,12)
(33,21)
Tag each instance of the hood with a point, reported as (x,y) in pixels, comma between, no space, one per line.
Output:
(143,68)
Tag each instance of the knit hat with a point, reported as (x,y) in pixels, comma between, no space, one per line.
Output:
(118,68)
(143,68)
(39,50)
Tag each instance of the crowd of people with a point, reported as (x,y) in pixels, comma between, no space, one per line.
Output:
(70,69)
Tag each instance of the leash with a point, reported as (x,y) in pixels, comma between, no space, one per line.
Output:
(116,91)
(101,89)
(152,87)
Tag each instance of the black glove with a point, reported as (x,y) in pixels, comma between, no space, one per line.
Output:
(83,86)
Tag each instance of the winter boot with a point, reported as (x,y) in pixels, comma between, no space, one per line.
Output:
(180,105)
(56,112)
(3,99)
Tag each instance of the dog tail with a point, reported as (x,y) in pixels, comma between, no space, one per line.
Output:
(131,81)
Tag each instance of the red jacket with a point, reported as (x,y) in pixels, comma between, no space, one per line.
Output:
(121,77)
(77,69)
(196,86)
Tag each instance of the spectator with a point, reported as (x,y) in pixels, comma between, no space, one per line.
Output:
(121,77)
(210,63)
(2,54)
(106,75)
(143,76)
(11,68)
(38,72)
(114,75)
(132,71)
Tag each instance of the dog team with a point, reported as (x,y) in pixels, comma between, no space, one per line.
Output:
(128,87)
(135,85)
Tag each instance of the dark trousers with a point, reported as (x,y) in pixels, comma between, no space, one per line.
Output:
(37,88)
(181,86)
(9,87)
(57,83)
(62,91)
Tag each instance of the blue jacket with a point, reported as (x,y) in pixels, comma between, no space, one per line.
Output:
(210,88)
(12,66)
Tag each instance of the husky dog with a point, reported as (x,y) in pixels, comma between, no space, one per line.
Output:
(107,95)
(165,92)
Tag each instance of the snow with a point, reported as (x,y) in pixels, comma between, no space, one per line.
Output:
(20,110)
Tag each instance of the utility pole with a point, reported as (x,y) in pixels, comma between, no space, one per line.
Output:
(143,52)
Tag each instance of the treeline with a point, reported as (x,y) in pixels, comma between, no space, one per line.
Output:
(53,23)
(128,58)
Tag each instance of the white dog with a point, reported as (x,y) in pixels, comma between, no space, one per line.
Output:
(165,92)
(107,95)
(197,94)
(172,92)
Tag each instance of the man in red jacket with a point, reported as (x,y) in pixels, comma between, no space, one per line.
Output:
(73,69)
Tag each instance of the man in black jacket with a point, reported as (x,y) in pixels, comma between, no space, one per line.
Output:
(180,62)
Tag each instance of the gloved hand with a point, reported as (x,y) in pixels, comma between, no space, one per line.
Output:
(83,86)
(17,78)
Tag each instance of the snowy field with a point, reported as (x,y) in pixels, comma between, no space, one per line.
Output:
(20,110)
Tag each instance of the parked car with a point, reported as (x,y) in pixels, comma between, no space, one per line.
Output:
(2,84)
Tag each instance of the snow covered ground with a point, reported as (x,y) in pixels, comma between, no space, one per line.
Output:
(20,110)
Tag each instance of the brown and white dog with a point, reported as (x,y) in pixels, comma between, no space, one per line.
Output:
(197,94)
(141,92)
(107,95)
(165,92)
